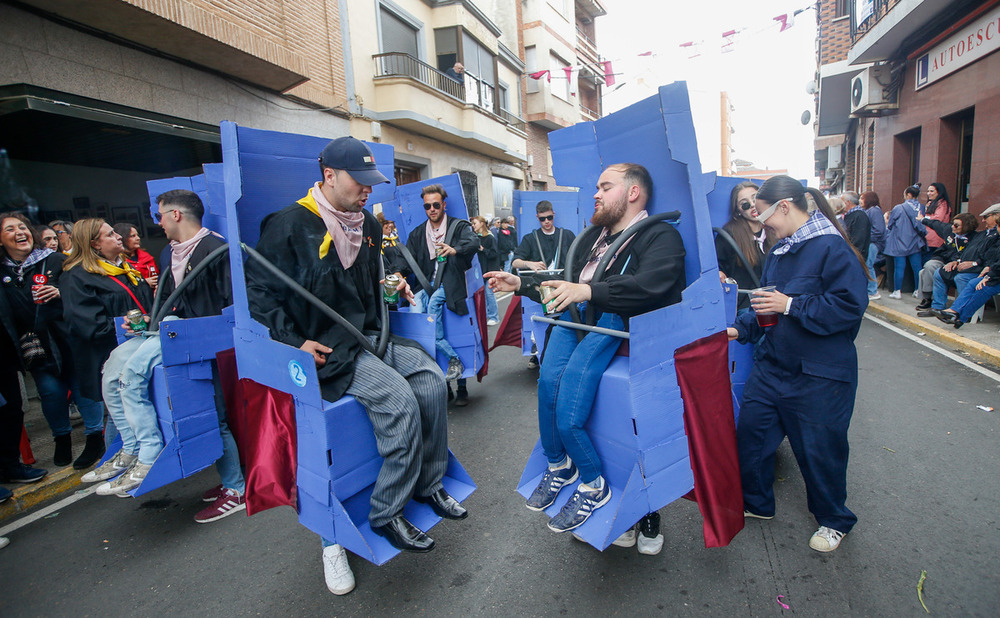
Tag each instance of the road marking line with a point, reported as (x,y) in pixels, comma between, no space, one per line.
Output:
(52,508)
(951,355)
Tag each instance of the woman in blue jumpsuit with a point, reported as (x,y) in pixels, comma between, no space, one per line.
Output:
(805,372)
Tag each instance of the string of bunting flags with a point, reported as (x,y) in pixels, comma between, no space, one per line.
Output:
(693,48)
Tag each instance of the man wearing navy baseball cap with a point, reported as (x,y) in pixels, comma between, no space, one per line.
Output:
(330,245)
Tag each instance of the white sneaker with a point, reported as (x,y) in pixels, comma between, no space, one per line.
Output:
(4,541)
(129,480)
(896,294)
(492,322)
(875,296)
(110,468)
(649,546)
(627,539)
(826,539)
(74,412)
(337,571)
(916,293)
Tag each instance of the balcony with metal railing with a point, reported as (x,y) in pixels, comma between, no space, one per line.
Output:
(586,51)
(414,95)
(880,8)
(880,28)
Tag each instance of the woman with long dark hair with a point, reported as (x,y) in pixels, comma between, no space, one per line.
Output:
(489,260)
(30,276)
(751,237)
(138,258)
(805,373)
(938,208)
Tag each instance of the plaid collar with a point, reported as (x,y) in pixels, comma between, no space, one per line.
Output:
(816,225)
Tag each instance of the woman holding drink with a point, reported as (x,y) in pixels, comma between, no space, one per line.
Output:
(805,372)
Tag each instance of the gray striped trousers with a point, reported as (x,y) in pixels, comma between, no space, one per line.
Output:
(407,401)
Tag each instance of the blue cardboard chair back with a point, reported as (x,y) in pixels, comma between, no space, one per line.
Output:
(337,464)
(637,422)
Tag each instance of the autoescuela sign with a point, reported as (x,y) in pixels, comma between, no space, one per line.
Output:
(973,41)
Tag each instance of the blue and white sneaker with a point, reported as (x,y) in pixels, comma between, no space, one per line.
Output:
(548,488)
(580,507)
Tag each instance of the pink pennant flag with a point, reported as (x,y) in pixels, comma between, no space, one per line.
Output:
(569,80)
(649,53)
(540,74)
(609,73)
(787,21)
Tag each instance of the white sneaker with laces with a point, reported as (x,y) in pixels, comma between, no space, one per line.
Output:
(896,294)
(492,322)
(826,539)
(649,546)
(129,480)
(627,539)
(110,468)
(916,293)
(875,296)
(337,571)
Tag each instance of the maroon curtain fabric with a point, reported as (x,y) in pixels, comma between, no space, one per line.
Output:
(27,457)
(509,332)
(263,424)
(479,300)
(703,376)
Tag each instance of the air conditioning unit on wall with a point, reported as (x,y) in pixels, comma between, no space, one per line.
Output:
(834,158)
(871,94)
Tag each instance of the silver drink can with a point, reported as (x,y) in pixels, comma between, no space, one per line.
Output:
(390,291)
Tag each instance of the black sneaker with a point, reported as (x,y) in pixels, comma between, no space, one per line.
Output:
(548,488)
(580,507)
(20,473)
(5,494)
(533,362)
(924,304)
(462,397)
(455,369)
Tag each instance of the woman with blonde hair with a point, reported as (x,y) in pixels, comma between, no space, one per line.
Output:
(98,285)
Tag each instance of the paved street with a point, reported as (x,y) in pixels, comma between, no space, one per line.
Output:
(923,480)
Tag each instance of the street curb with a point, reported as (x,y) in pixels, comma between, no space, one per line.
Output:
(30,495)
(950,337)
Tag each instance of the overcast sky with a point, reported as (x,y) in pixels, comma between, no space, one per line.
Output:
(765,74)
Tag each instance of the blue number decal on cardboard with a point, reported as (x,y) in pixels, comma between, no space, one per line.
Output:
(297,374)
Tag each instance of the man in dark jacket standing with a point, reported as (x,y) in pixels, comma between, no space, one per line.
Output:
(857,223)
(645,274)
(443,248)
(331,246)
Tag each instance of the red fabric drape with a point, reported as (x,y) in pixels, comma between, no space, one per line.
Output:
(509,332)
(263,424)
(27,457)
(479,300)
(703,376)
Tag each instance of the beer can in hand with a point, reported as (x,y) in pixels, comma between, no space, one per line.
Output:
(135,321)
(35,289)
(390,291)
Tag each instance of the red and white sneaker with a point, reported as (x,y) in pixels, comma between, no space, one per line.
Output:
(213,494)
(231,501)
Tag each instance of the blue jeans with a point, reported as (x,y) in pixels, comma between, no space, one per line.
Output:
(940,298)
(54,392)
(125,385)
(228,466)
(899,267)
(435,307)
(872,256)
(567,386)
(970,299)
(492,312)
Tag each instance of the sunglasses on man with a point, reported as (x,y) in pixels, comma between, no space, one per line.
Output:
(434,205)
(547,218)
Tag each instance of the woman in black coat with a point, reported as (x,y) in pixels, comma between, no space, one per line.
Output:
(750,236)
(97,286)
(30,282)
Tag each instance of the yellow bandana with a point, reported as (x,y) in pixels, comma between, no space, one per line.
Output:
(114,271)
(310,204)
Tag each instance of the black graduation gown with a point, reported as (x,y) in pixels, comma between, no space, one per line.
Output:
(210,293)
(25,316)
(550,243)
(91,302)
(290,239)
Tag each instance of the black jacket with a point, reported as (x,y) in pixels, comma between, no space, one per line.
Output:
(489,256)
(465,242)
(506,241)
(647,274)
(859,230)
(210,293)
(21,315)
(290,239)
(730,263)
(560,241)
(981,249)
(91,302)
(953,246)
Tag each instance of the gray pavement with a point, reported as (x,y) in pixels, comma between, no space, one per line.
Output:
(923,480)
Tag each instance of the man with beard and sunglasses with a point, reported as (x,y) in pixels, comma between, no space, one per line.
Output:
(646,273)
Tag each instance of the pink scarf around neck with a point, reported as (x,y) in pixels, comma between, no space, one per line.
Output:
(600,248)
(180,254)
(434,237)
(345,228)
